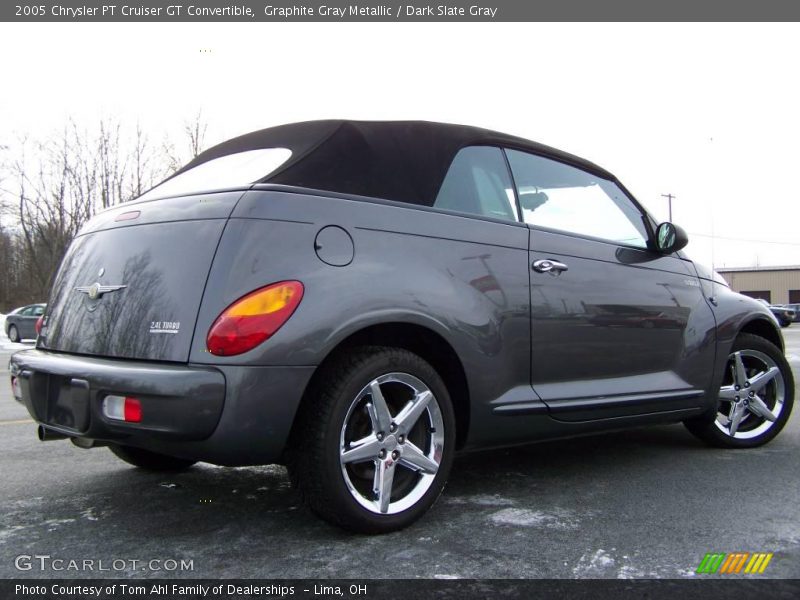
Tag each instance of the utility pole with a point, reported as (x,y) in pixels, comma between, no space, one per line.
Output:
(669,198)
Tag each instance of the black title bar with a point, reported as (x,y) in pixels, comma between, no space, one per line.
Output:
(349,589)
(408,10)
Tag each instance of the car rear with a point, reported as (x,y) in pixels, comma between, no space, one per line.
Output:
(112,362)
(111,359)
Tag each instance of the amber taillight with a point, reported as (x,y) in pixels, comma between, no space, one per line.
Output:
(254,318)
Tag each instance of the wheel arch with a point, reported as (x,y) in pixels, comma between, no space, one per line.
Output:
(763,328)
(704,426)
(422,341)
(729,327)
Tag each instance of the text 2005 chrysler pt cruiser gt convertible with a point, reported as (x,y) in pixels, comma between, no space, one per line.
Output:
(359,301)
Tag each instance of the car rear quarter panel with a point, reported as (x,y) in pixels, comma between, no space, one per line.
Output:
(465,279)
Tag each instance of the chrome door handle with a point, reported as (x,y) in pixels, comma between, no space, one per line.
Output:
(547,265)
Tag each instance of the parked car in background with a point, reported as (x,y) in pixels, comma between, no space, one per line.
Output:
(359,300)
(796,309)
(21,322)
(784,314)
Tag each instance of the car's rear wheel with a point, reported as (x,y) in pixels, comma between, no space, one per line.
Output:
(374,441)
(13,333)
(755,398)
(151,461)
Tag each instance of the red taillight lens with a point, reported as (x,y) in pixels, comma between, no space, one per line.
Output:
(254,318)
(39,325)
(122,408)
(133,410)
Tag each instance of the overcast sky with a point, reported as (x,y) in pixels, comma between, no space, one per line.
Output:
(709,113)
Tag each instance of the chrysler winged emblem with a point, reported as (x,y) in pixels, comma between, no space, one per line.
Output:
(96,290)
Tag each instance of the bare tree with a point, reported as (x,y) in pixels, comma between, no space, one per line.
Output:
(49,210)
(142,176)
(52,187)
(194,136)
(112,164)
(8,274)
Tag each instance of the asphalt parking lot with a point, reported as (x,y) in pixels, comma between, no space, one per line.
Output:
(642,503)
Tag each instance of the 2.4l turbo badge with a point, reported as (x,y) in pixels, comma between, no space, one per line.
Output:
(165,326)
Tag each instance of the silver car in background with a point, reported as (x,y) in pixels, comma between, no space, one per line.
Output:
(21,322)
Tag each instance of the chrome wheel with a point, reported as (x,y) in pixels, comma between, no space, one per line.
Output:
(391,443)
(752,395)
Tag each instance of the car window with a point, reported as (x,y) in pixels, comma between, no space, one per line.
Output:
(27,311)
(478,182)
(37,311)
(557,196)
(231,170)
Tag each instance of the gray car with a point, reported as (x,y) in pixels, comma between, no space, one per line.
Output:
(359,301)
(21,322)
(796,308)
(783,313)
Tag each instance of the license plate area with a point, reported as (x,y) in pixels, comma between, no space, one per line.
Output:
(58,400)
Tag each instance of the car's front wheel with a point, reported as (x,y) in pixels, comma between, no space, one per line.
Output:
(375,439)
(150,461)
(13,333)
(755,398)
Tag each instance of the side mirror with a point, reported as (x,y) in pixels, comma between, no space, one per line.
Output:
(670,238)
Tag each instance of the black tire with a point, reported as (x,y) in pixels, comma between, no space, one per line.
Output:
(13,333)
(710,428)
(338,410)
(151,461)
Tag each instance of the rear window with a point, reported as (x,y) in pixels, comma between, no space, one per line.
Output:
(231,170)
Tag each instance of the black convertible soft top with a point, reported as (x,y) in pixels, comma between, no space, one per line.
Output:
(395,160)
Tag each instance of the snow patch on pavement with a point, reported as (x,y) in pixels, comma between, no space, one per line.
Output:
(7,533)
(602,563)
(504,511)
(630,572)
(598,564)
(482,500)
(534,518)
(53,524)
(89,514)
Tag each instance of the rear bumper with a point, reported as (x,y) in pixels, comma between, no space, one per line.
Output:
(225,415)
(65,393)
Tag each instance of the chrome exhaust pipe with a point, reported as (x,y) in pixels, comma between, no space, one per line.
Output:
(45,435)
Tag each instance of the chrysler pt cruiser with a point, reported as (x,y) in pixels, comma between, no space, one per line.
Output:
(361,300)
